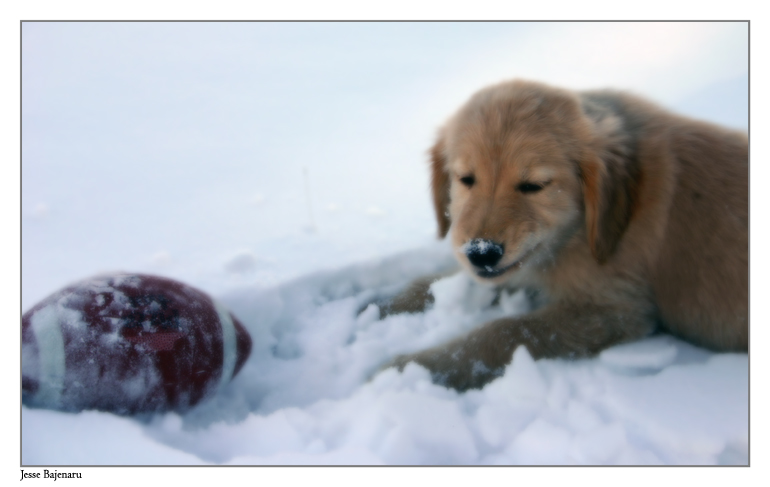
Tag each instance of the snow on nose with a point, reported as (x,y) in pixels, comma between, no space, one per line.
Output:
(483,253)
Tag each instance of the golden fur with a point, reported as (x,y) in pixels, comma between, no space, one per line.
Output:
(620,216)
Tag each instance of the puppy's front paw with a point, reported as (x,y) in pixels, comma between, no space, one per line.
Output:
(377,307)
(449,367)
(416,298)
(368,312)
(397,363)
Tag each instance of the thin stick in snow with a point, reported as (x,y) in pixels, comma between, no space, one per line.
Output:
(311,227)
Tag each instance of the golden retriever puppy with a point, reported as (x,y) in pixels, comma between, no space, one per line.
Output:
(622,217)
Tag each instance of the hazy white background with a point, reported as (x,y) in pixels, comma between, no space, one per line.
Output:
(181,148)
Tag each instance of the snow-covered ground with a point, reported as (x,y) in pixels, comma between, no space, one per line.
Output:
(281,168)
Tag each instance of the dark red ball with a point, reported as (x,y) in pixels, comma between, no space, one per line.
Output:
(129,343)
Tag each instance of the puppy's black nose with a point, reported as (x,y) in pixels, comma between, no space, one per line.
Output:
(483,253)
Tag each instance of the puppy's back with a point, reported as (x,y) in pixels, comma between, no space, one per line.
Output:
(692,216)
(701,278)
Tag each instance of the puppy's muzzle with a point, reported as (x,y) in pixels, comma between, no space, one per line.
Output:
(484,254)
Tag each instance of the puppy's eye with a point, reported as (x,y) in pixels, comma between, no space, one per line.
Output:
(468,180)
(527,187)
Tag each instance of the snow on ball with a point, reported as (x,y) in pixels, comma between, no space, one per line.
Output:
(129,343)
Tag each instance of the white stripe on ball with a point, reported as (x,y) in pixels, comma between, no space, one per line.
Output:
(50,345)
(229,345)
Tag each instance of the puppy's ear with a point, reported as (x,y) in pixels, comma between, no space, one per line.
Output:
(440,186)
(610,186)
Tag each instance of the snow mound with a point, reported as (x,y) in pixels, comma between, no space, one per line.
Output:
(650,355)
(309,393)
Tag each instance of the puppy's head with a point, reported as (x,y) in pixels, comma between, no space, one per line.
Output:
(518,172)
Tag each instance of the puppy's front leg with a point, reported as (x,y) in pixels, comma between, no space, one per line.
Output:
(561,330)
(415,298)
